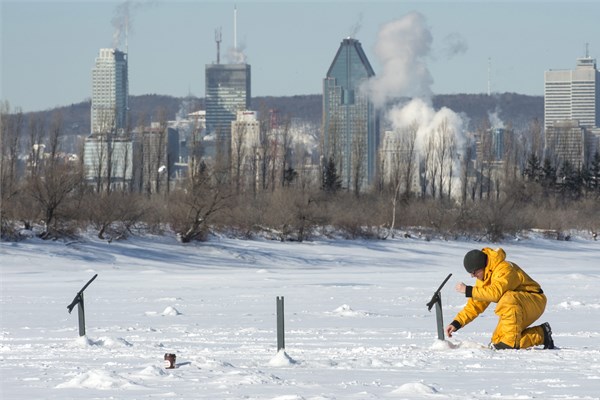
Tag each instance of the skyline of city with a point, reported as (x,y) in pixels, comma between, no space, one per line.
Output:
(285,59)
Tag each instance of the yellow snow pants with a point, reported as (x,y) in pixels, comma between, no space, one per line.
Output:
(516,311)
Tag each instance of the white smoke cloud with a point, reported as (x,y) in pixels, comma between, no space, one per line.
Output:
(357,26)
(402,48)
(420,112)
(495,120)
(236,55)
(454,44)
(122,20)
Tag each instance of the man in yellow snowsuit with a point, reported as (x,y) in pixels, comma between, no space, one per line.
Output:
(520,301)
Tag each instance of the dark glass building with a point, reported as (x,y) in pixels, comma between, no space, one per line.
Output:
(350,121)
(227,92)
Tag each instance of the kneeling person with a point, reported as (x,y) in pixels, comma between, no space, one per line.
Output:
(520,301)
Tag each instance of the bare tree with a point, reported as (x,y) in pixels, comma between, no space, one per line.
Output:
(307,176)
(36,144)
(10,132)
(114,214)
(161,151)
(99,151)
(126,164)
(513,160)
(358,157)
(292,213)
(274,149)
(395,176)
(96,166)
(442,145)
(263,150)
(466,170)
(54,180)
(484,161)
(286,153)
(408,143)
(222,155)
(239,150)
(430,167)
(441,152)
(191,210)
(196,151)
(400,171)
(332,144)
(154,144)
(108,126)
(535,135)
(451,158)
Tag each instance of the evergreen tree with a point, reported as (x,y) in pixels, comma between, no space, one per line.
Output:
(289,175)
(595,173)
(533,170)
(331,180)
(548,175)
(585,179)
(570,185)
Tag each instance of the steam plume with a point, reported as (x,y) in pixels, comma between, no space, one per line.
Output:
(454,44)
(402,47)
(122,21)
(357,26)
(236,55)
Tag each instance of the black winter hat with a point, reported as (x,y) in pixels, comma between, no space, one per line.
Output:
(474,260)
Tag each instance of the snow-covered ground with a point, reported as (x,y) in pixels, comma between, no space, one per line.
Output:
(356,321)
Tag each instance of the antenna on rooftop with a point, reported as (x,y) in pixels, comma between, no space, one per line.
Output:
(218,40)
(234,27)
(127,34)
(489,81)
(587,50)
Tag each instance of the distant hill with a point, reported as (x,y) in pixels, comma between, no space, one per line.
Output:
(511,108)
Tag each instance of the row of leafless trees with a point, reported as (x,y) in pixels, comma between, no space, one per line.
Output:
(48,192)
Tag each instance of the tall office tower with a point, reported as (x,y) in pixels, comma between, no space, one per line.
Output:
(573,94)
(108,153)
(350,121)
(572,113)
(227,92)
(110,92)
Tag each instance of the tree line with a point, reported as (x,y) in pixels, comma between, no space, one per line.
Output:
(46,190)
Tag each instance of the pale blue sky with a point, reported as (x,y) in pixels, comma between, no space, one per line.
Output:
(49,47)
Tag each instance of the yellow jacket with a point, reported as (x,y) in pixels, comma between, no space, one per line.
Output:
(499,277)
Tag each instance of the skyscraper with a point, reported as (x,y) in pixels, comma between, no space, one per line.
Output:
(110,92)
(572,113)
(573,94)
(108,151)
(350,122)
(227,92)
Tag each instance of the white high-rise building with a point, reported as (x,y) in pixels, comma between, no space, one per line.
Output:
(110,92)
(573,94)
(245,148)
(108,152)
